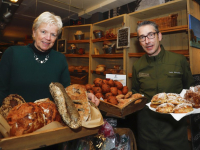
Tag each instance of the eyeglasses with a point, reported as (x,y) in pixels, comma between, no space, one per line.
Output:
(150,35)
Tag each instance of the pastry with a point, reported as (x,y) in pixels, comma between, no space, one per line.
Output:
(165,108)
(159,98)
(183,108)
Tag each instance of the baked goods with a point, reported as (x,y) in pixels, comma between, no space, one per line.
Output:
(25,118)
(173,98)
(98,82)
(119,85)
(165,108)
(111,83)
(9,102)
(88,86)
(96,89)
(193,97)
(65,105)
(78,94)
(114,91)
(125,90)
(119,92)
(50,110)
(159,98)
(128,95)
(112,100)
(105,88)
(107,95)
(171,103)
(183,108)
(99,95)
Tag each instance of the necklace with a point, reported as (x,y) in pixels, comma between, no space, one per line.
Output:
(41,61)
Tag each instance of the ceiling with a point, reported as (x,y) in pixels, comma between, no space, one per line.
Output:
(23,15)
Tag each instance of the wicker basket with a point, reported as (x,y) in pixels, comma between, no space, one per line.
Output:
(165,22)
(79,78)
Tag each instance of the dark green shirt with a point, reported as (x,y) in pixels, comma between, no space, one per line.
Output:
(21,74)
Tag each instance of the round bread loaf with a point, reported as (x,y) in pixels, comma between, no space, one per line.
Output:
(9,102)
(25,118)
(50,110)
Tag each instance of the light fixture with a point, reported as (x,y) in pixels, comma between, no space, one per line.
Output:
(7,14)
(14,1)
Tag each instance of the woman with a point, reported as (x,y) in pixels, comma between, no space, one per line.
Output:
(28,70)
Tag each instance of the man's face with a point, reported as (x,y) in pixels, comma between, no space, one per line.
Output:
(150,45)
(45,36)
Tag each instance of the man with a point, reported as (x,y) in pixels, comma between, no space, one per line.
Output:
(156,72)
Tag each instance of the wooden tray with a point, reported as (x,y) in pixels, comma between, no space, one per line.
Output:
(45,138)
(122,112)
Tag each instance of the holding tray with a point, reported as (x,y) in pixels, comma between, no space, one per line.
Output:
(176,116)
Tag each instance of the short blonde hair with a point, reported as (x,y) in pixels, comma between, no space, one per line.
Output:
(49,18)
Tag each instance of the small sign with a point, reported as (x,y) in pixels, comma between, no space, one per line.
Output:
(123,37)
(117,77)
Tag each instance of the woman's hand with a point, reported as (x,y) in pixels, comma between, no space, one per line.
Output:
(93,98)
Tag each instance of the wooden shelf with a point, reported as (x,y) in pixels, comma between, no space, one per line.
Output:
(168,30)
(79,71)
(97,72)
(112,56)
(77,55)
(183,52)
(78,41)
(103,39)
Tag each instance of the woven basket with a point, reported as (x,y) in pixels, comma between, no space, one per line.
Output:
(165,22)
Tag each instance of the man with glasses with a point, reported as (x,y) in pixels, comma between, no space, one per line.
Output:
(155,72)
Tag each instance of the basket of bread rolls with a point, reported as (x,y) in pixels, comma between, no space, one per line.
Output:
(115,99)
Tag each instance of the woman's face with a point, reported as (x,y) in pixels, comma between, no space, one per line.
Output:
(45,36)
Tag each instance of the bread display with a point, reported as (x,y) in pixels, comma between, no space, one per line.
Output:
(9,102)
(25,118)
(50,110)
(173,102)
(112,92)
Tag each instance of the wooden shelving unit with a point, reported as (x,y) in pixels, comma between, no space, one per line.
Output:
(109,56)
(77,41)
(103,39)
(77,55)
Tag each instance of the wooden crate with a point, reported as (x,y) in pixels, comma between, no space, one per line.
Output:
(165,22)
(122,112)
(128,132)
(45,138)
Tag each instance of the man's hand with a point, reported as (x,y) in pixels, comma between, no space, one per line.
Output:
(93,98)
